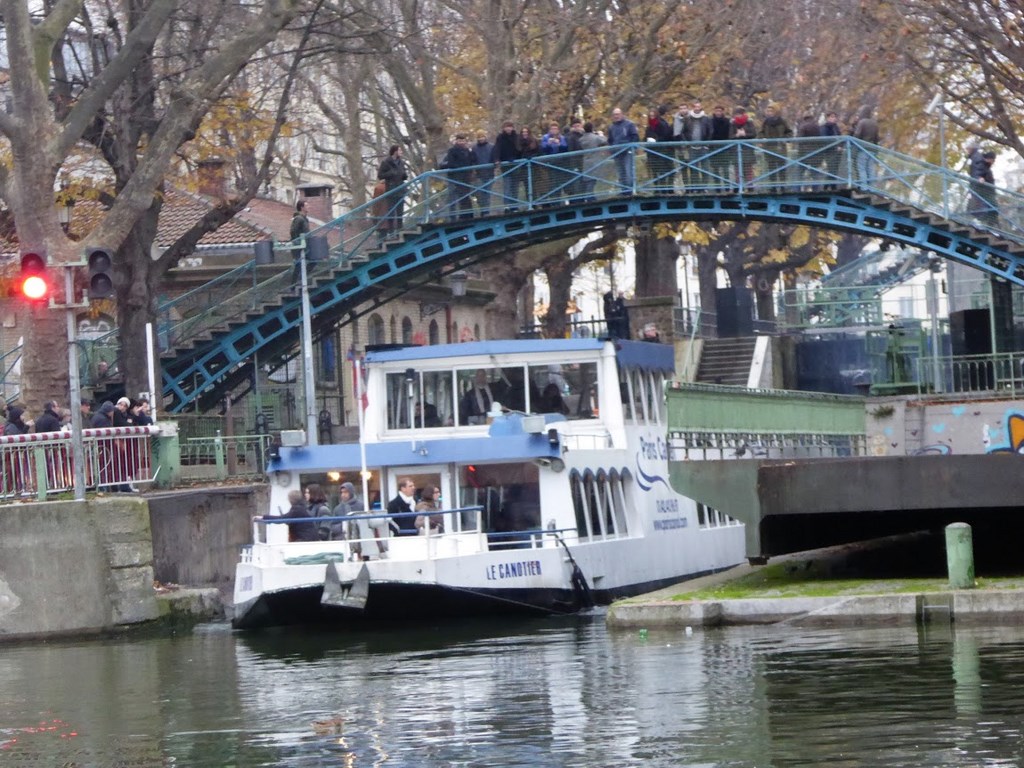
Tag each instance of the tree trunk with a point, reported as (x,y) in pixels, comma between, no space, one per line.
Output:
(560,288)
(136,282)
(656,266)
(44,358)
(707,277)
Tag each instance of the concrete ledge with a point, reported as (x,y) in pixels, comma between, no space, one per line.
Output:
(968,607)
(190,606)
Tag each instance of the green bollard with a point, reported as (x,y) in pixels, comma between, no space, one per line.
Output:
(960,556)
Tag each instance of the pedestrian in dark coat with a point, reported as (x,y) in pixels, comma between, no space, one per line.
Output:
(15,425)
(393,172)
(458,161)
(50,420)
(303,531)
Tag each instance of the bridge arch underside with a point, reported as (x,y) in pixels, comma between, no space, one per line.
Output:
(223,363)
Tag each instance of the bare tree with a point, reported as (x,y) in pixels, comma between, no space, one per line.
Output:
(135,86)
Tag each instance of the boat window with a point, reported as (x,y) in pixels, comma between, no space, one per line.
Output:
(639,398)
(403,392)
(626,385)
(617,488)
(435,407)
(593,505)
(509,494)
(607,516)
(627,402)
(579,505)
(569,389)
(479,387)
(652,380)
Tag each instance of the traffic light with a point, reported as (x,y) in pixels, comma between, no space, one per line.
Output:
(101,273)
(33,283)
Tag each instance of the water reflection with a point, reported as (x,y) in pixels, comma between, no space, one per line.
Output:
(551,692)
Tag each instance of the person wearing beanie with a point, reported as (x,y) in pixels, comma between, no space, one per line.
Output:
(104,417)
(14,424)
(120,415)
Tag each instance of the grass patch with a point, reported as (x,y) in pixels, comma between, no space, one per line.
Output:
(808,579)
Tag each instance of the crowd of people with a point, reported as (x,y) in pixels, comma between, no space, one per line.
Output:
(117,461)
(410,512)
(126,412)
(471,168)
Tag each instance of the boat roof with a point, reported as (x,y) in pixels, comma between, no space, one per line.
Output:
(479,450)
(631,354)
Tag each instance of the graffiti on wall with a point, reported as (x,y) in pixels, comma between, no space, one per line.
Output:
(1011,437)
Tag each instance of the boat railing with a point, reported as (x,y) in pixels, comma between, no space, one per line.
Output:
(461,524)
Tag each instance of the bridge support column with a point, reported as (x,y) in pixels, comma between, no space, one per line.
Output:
(960,556)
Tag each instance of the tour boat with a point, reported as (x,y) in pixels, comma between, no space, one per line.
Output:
(551,461)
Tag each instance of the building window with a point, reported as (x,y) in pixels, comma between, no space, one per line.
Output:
(406,330)
(375,330)
(328,360)
(433,332)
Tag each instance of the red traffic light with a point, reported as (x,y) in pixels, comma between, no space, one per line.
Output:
(34,285)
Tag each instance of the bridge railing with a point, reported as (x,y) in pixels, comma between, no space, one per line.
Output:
(39,465)
(763,166)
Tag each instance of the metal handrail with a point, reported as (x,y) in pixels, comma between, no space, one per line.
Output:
(762,166)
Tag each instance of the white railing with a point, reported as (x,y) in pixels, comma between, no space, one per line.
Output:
(40,464)
(462,532)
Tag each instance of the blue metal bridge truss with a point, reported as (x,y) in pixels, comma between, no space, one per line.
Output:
(451,219)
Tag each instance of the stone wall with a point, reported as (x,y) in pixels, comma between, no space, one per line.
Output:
(197,534)
(72,567)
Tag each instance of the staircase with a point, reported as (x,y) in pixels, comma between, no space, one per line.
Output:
(726,361)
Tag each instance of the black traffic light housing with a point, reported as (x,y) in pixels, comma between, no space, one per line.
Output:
(101,273)
(33,283)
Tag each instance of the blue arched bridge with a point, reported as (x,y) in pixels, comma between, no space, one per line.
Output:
(443,221)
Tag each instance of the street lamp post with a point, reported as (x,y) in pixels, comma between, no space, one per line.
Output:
(312,437)
(934,266)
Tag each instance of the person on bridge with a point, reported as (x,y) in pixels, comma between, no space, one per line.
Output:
(983,197)
(393,172)
(865,129)
(296,233)
(659,165)
(742,128)
(591,140)
(505,154)
(550,177)
(698,129)
(830,131)
(529,148)
(622,131)
(774,126)
(483,156)
(458,161)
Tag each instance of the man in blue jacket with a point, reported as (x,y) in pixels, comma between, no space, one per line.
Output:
(623,131)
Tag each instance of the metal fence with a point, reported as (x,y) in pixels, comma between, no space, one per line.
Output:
(219,457)
(41,464)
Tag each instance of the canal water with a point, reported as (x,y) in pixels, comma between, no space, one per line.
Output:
(552,692)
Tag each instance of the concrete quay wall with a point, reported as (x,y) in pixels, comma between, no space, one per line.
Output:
(71,567)
(967,607)
(75,566)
